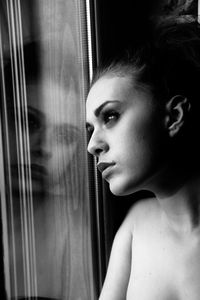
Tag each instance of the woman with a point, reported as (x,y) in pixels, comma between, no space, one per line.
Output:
(48,202)
(143,116)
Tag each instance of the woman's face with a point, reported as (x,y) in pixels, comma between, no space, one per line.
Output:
(127,134)
(53,134)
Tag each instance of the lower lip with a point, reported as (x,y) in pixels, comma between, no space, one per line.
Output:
(37,175)
(107,172)
(38,180)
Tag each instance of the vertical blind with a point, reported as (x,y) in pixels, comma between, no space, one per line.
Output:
(45,208)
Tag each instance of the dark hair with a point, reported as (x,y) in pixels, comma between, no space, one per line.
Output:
(168,63)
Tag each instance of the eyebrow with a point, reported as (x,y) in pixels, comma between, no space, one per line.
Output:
(99,109)
(64,127)
(68,128)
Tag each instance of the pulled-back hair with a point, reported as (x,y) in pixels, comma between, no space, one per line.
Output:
(168,63)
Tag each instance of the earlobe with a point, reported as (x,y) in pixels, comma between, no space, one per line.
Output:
(178,108)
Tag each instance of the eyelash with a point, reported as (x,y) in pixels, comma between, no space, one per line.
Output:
(105,117)
(34,122)
(110,117)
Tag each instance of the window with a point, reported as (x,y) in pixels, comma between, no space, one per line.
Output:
(45,208)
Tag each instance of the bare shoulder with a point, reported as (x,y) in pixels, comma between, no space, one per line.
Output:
(143,211)
(119,269)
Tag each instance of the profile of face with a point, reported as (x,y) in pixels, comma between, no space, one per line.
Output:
(53,134)
(127,134)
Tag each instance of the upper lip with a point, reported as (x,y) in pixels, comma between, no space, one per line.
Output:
(34,168)
(39,169)
(104,165)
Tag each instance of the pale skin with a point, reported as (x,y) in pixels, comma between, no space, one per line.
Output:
(156,251)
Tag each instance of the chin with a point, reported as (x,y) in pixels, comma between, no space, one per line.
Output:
(123,187)
(120,190)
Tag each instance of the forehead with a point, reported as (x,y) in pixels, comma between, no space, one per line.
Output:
(109,88)
(54,101)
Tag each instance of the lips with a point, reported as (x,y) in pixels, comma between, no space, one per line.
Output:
(105,167)
(37,171)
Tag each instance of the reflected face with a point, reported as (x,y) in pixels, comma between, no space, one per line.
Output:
(127,132)
(53,133)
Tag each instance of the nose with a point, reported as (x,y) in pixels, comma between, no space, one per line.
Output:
(40,144)
(97,144)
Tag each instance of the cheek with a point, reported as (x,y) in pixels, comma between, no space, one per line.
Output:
(141,144)
(137,136)
(136,165)
(62,156)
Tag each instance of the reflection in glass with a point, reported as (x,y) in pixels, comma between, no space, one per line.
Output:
(44,195)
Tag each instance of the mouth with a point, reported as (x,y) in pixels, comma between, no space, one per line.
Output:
(105,168)
(38,179)
(38,172)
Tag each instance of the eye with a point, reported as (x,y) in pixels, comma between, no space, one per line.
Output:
(110,117)
(89,128)
(66,134)
(89,131)
(34,123)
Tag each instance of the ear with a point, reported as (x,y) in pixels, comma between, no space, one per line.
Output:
(178,108)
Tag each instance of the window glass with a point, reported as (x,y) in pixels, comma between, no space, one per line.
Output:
(46,221)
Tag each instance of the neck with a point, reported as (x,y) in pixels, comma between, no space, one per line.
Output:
(181,200)
(178,192)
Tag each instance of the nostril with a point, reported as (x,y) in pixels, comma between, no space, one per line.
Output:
(98,151)
(94,150)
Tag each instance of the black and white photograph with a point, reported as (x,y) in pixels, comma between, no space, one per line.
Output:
(99,150)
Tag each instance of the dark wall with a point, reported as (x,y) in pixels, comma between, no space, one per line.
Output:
(121,22)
